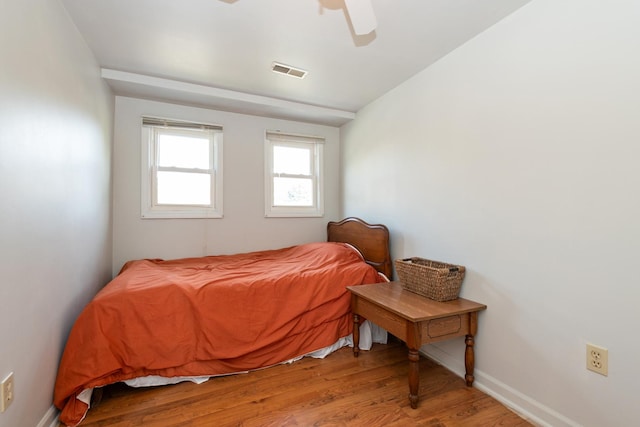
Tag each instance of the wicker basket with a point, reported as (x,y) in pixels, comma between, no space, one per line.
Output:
(438,281)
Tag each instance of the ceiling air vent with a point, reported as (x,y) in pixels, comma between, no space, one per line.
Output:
(276,67)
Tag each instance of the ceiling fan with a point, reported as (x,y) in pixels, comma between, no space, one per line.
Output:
(362,16)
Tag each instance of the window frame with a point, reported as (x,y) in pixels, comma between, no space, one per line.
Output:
(150,208)
(315,146)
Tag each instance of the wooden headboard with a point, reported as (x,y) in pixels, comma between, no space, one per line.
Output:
(372,240)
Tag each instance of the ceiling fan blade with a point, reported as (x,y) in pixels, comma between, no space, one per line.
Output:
(362,16)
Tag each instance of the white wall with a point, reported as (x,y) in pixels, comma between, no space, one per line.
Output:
(55,194)
(517,156)
(244,227)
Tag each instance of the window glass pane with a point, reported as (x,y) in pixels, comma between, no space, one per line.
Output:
(292,192)
(179,188)
(183,151)
(291,160)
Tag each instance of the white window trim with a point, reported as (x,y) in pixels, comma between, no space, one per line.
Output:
(275,138)
(149,209)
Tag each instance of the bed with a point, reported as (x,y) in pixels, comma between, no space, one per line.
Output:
(160,322)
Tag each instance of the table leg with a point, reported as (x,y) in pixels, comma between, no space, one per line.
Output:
(414,377)
(469,360)
(356,335)
(469,355)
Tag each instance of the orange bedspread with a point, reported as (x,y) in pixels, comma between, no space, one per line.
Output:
(209,316)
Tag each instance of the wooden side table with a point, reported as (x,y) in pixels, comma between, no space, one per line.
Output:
(416,320)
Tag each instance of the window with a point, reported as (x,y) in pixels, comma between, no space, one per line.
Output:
(293,175)
(181,169)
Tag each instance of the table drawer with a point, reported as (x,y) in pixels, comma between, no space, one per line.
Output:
(445,328)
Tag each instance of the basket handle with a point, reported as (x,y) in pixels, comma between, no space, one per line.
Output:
(451,269)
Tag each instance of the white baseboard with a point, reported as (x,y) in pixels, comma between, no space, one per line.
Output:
(50,418)
(528,408)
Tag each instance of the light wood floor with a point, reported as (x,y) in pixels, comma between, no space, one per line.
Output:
(341,390)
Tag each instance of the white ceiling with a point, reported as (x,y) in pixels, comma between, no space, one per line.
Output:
(218,53)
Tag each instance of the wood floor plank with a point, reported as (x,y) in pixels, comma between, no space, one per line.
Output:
(340,390)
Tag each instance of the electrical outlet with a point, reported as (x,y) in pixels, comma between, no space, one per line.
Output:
(598,359)
(6,392)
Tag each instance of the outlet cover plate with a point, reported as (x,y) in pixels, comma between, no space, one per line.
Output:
(6,392)
(598,359)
